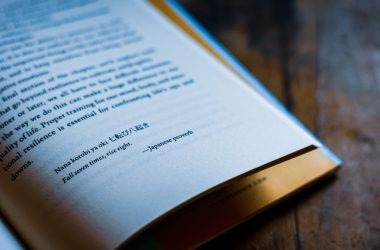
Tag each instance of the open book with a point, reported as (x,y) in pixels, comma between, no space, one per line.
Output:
(123,124)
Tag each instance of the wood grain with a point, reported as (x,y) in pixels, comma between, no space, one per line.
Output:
(322,60)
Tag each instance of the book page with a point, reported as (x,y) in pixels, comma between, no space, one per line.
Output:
(110,117)
(8,241)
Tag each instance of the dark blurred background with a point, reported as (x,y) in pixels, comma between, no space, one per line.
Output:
(321,59)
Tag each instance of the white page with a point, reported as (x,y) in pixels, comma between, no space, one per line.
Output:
(184,123)
(7,240)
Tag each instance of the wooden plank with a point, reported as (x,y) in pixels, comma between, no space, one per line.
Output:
(347,214)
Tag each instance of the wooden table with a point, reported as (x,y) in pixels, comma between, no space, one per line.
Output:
(322,60)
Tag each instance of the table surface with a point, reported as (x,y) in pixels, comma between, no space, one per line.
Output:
(322,60)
